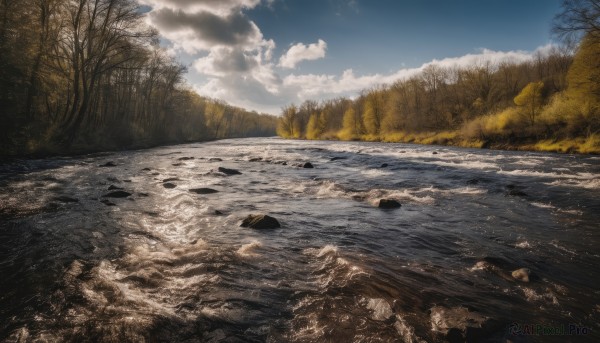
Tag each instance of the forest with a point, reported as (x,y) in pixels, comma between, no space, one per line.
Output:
(550,103)
(90,75)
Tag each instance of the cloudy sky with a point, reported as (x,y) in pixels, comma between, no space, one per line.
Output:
(264,54)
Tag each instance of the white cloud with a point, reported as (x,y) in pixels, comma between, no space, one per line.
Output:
(300,52)
(220,7)
(324,86)
(236,64)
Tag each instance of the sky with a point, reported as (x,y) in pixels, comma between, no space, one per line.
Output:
(265,54)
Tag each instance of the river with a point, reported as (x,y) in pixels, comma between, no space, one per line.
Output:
(167,264)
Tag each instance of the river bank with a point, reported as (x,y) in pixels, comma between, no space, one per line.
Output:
(579,145)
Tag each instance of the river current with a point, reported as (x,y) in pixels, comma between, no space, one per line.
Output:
(164,264)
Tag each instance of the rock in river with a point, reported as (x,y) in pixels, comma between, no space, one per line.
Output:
(459,324)
(203,190)
(306,165)
(108,164)
(260,221)
(521,274)
(389,203)
(64,198)
(117,194)
(228,171)
(169,185)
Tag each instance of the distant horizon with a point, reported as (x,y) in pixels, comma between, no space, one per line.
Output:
(264,54)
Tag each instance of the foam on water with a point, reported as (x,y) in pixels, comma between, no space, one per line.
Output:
(376,173)
(249,249)
(164,264)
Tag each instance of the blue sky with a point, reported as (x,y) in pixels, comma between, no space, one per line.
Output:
(264,54)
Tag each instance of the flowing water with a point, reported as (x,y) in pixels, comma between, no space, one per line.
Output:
(168,265)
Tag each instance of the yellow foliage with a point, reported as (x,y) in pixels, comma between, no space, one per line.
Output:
(312,128)
(589,145)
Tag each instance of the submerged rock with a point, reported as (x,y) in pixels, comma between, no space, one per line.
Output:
(381,309)
(516,193)
(169,185)
(64,198)
(337,158)
(108,202)
(171,179)
(203,190)
(260,221)
(513,190)
(521,274)
(215,159)
(384,165)
(113,187)
(389,204)
(185,158)
(108,164)
(117,194)
(458,324)
(228,171)
(255,159)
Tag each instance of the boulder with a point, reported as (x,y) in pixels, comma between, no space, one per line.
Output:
(215,159)
(228,171)
(306,165)
(389,204)
(434,152)
(169,185)
(521,274)
(260,221)
(203,190)
(117,194)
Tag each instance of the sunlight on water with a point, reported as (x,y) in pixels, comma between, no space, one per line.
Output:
(167,263)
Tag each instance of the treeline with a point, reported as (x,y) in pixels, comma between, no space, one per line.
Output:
(89,75)
(549,103)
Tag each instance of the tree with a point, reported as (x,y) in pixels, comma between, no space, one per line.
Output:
(530,99)
(584,74)
(312,128)
(373,112)
(352,126)
(579,18)
(287,123)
